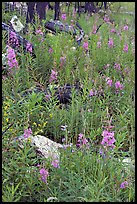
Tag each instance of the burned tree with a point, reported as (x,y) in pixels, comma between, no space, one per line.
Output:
(57,11)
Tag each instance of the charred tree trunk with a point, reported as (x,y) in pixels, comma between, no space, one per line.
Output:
(78,9)
(41,9)
(57,11)
(30,12)
(105,5)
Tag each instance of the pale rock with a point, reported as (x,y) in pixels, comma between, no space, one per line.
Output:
(44,146)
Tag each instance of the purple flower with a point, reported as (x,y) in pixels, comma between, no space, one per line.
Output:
(13,39)
(125,27)
(113,30)
(85,45)
(125,49)
(124,184)
(99,44)
(108,139)
(53,76)
(81,135)
(63,17)
(82,141)
(118,85)
(44,174)
(117,66)
(91,93)
(29,47)
(109,82)
(106,18)
(12,62)
(110,43)
(50,50)
(47,97)
(55,163)
(39,32)
(27,132)
(63,139)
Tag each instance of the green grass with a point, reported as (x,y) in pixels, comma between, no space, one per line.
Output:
(84,175)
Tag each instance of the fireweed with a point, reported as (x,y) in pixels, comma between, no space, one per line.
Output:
(27,132)
(110,43)
(82,141)
(12,62)
(63,17)
(108,139)
(13,40)
(44,174)
(53,76)
(29,47)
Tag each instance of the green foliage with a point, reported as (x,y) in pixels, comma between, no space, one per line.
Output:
(84,174)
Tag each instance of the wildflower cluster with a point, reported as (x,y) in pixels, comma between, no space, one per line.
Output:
(13,40)
(27,132)
(29,47)
(108,139)
(53,76)
(63,17)
(12,62)
(44,174)
(82,141)
(55,163)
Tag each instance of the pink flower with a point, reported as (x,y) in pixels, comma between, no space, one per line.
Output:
(82,141)
(85,45)
(44,174)
(124,184)
(91,93)
(117,66)
(29,47)
(47,97)
(106,18)
(13,39)
(50,50)
(110,43)
(27,132)
(98,44)
(53,76)
(118,85)
(113,30)
(39,32)
(12,62)
(63,17)
(108,139)
(109,82)
(125,27)
(125,49)
(80,135)
(55,163)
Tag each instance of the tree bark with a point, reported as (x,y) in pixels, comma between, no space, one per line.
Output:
(57,11)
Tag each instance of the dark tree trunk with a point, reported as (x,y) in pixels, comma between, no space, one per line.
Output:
(30,12)
(75,6)
(57,11)
(86,7)
(41,9)
(79,9)
(105,5)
